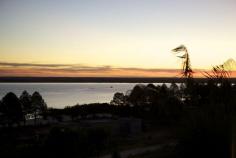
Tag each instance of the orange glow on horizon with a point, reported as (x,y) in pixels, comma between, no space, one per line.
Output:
(111,72)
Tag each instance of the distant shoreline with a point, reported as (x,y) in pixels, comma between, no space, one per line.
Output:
(99,79)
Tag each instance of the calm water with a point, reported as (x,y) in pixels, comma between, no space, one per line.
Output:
(59,95)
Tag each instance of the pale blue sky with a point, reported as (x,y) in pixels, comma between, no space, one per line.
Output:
(119,33)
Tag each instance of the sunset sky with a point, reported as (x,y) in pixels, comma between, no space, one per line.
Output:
(131,38)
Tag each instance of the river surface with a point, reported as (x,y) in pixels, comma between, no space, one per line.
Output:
(59,95)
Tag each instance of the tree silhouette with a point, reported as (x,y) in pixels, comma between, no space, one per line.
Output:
(187,72)
(25,99)
(186,66)
(118,99)
(38,105)
(11,107)
(223,71)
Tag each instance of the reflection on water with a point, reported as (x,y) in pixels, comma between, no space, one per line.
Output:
(59,95)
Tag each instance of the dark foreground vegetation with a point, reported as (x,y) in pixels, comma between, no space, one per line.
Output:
(199,116)
(189,120)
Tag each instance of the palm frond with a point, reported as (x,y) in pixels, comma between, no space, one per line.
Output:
(218,72)
(180,48)
(186,66)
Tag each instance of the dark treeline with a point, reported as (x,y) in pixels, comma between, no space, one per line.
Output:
(147,102)
(203,113)
(142,101)
(14,110)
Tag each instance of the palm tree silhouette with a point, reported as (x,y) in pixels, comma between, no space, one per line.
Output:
(183,54)
(222,71)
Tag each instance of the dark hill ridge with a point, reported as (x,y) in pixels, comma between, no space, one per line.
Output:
(100,79)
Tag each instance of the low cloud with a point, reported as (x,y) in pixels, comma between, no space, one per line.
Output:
(9,64)
(60,67)
(79,70)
